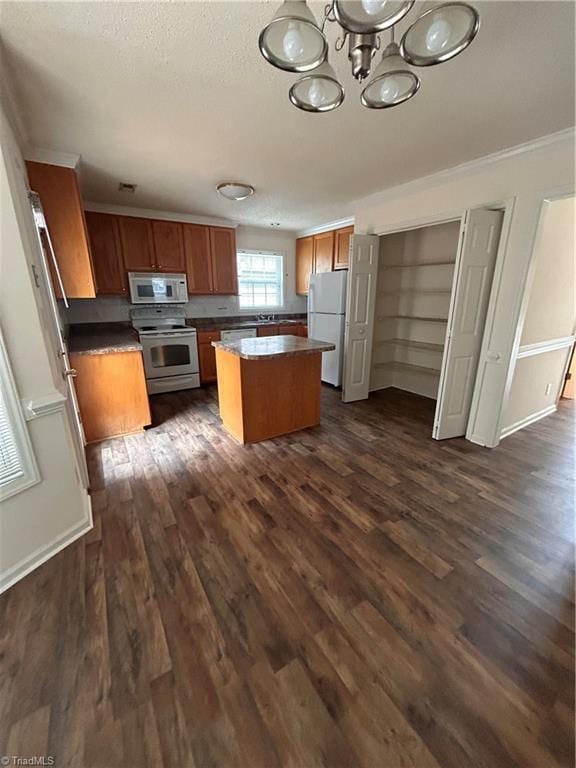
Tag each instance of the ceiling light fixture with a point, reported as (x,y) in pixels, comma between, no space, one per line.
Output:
(235,190)
(295,42)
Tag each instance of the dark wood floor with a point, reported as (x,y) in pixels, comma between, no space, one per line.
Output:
(352,595)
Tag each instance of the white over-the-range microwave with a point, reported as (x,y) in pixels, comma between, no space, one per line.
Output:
(157,288)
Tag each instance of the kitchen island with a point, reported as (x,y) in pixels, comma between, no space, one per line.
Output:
(269,386)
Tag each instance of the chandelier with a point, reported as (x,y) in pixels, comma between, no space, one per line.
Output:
(295,42)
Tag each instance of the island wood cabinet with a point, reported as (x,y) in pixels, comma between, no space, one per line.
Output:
(324,252)
(59,194)
(122,244)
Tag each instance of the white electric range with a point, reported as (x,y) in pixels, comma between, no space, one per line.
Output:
(169,348)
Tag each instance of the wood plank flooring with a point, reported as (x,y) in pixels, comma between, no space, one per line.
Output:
(351,595)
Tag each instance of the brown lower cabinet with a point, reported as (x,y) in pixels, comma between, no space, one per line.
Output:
(207,355)
(112,396)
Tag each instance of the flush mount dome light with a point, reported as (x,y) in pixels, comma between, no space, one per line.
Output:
(318,91)
(234,190)
(367,17)
(293,41)
(440,34)
(392,82)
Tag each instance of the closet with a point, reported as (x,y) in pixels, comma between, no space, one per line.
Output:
(416,310)
(413,289)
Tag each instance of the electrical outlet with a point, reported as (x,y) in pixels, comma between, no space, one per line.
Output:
(548,388)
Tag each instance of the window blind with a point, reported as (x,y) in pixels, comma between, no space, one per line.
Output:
(11,466)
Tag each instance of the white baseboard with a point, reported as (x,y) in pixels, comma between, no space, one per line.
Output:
(527,420)
(44,553)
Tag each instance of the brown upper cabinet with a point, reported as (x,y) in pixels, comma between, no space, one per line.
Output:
(122,244)
(198,263)
(60,196)
(137,244)
(304,263)
(106,249)
(223,260)
(168,242)
(342,247)
(323,252)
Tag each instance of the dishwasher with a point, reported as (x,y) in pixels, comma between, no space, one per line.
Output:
(247,333)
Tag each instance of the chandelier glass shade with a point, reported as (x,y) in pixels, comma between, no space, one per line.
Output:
(317,91)
(294,42)
(392,83)
(369,16)
(440,34)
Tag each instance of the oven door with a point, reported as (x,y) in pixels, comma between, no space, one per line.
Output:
(169,354)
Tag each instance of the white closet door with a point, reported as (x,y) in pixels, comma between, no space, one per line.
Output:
(360,307)
(474,270)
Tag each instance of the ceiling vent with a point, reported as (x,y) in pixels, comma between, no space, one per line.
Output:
(125,187)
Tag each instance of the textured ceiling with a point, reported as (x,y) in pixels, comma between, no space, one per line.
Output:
(176,97)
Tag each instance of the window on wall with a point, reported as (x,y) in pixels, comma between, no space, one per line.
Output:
(18,469)
(260,280)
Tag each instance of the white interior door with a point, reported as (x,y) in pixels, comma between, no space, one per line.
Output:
(360,307)
(474,271)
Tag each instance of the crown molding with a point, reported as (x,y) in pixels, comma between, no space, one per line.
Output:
(51,157)
(339,224)
(149,213)
(439,177)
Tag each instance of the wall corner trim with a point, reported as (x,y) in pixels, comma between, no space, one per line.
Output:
(51,157)
(339,224)
(540,347)
(34,408)
(447,174)
(527,420)
(149,213)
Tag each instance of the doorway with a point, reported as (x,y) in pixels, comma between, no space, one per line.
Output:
(431,286)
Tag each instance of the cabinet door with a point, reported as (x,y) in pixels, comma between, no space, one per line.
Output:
(223,259)
(207,360)
(304,259)
(106,253)
(267,330)
(342,247)
(137,244)
(62,204)
(168,246)
(323,252)
(198,263)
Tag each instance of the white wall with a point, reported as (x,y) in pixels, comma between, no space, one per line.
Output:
(117,308)
(35,523)
(523,177)
(548,327)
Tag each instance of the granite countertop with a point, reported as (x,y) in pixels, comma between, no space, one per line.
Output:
(102,339)
(233,323)
(266,347)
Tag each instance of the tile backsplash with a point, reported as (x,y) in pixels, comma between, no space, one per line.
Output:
(108,309)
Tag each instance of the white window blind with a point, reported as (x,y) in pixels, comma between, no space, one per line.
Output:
(18,468)
(260,280)
(10,464)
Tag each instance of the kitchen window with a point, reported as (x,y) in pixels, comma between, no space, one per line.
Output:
(260,283)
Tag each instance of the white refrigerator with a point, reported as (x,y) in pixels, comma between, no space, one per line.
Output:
(326,319)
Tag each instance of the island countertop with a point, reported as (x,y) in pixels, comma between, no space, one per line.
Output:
(267,347)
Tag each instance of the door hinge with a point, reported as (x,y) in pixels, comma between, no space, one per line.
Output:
(568,376)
